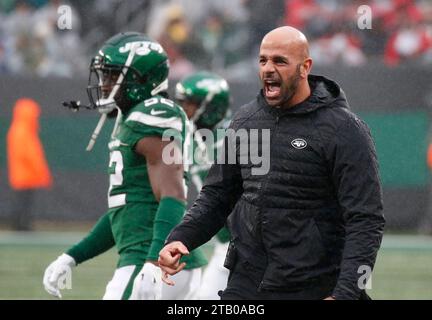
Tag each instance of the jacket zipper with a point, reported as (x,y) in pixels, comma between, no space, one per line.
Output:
(262,194)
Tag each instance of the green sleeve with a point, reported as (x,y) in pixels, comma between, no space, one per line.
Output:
(99,240)
(170,212)
(223,235)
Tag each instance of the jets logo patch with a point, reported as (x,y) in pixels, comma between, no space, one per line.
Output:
(299,143)
(142,48)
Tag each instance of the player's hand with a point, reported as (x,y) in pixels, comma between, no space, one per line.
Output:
(54,274)
(169,260)
(148,283)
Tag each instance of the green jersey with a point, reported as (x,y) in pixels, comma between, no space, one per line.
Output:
(132,204)
(129,181)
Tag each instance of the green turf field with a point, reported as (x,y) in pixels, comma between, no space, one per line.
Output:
(403,269)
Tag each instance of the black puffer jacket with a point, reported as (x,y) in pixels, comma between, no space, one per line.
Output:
(316,213)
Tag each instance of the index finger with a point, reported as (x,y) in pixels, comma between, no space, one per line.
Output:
(168,258)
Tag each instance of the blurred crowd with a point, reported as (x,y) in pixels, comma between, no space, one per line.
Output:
(32,44)
(400,30)
(212,34)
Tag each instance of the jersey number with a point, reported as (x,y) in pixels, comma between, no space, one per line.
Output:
(152,101)
(116,179)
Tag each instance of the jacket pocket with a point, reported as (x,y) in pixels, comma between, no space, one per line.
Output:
(231,256)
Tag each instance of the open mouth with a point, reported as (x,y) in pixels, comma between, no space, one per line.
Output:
(272,88)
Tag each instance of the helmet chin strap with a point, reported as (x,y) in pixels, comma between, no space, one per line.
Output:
(99,126)
(109,104)
(96,132)
(202,108)
(117,122)
(221,123)
(162,87)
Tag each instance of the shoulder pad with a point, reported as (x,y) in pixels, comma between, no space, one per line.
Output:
(157,112)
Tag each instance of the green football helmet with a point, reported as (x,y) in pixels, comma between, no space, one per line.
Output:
(129,68)
(210,92)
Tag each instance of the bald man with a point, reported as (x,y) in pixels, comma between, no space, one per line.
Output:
(311,226)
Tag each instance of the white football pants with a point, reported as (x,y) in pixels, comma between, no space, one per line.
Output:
(187,283)
(215,276)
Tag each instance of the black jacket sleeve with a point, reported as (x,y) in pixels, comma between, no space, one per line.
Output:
(222,188)
(356,179)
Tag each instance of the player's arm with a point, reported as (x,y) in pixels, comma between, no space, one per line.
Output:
(99,240)
(167,185)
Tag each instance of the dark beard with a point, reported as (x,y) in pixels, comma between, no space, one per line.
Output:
(295,80)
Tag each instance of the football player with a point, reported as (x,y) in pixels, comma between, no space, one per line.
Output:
(146,196)
(205,97)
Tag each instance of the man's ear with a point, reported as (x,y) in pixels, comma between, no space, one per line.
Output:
(306,67)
